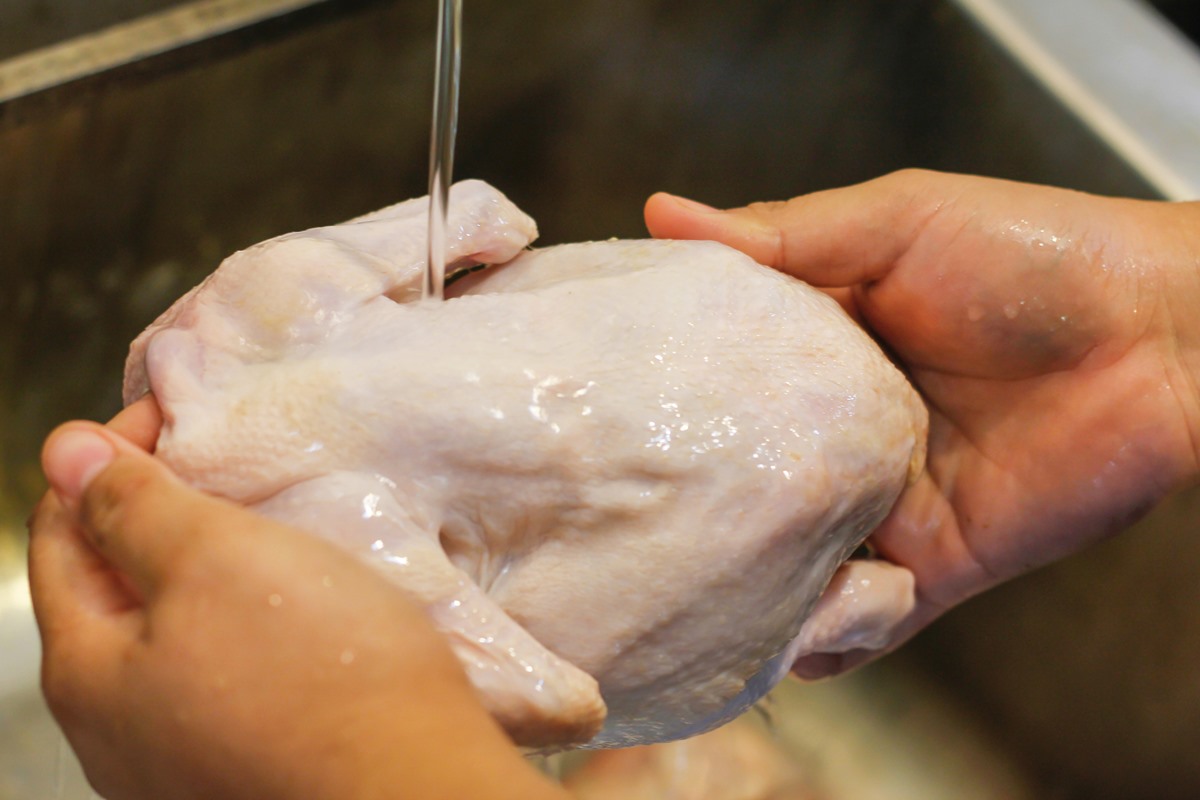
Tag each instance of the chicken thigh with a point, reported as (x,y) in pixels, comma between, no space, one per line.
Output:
(619,475)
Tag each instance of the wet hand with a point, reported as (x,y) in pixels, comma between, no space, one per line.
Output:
(1050,332)
(195,650)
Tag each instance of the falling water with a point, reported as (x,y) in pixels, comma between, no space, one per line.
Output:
(441,141)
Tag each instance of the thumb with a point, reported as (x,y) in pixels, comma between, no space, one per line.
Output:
(130,506)
(834,238)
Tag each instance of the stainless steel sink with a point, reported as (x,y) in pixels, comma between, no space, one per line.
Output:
(29,24)
(142,140)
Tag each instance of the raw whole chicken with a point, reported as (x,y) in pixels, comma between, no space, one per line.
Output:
(619,475)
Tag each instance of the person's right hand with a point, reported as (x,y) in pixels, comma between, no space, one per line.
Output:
(1054,336)
(193,649)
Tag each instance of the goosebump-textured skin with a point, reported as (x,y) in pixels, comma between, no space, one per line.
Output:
(618,474)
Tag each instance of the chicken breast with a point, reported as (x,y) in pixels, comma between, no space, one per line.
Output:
(618,474)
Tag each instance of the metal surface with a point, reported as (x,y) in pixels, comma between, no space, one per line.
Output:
(144,47)
(30,24)
(1129,75)
(121,186)
(133,41)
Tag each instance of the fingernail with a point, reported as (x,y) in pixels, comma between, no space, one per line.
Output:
(693,206)
(72,459)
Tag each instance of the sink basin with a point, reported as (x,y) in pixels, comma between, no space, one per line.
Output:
(29,24)
(168,134)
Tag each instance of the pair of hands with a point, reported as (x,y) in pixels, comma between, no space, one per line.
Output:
(193,649)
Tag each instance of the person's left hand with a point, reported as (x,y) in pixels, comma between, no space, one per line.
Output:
(1051,334)
(193,649)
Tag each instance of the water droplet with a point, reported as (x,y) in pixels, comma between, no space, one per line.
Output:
(370,506)
(1011,310)
(275,600)
(974,313)
(347,657)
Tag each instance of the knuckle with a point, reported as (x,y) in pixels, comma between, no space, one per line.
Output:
(117,496)
(917,182)
(909,183)
(771,216)
(909,175)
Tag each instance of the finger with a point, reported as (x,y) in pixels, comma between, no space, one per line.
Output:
(85,615)
(128,504)
(70,584)
(71,458)
(923,534)
(139,422)
(840,237)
